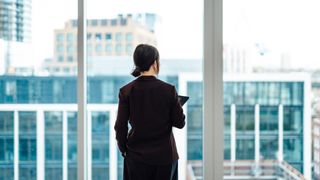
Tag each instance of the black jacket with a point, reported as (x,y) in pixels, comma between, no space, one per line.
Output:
(152,108)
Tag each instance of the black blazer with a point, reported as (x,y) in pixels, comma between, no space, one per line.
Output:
(152,108)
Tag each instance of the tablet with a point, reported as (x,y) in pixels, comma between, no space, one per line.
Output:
(183,99)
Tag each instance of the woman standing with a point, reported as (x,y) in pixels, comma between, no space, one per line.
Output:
(152,108)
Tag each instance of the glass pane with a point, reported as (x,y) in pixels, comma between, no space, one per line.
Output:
(6,145)
(53,145)
(100,145)
(122,27)
(38,88)
(27,145)
(271,89)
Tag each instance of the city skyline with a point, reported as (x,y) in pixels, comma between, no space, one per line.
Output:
(244,22)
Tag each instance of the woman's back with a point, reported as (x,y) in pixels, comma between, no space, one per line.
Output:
(152,113)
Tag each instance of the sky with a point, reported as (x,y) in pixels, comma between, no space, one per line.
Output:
(289,26)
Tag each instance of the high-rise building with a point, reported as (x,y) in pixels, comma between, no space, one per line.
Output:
(316,147)
(15,26)
(15,20)
(105,37)
(267,119)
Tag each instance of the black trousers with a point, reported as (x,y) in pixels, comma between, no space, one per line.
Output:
(136,170)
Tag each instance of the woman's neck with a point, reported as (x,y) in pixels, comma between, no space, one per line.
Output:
(148,73)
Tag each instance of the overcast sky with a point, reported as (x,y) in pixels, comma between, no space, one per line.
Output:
(281,25)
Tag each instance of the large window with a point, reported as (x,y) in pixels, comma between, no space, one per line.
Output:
(27,145)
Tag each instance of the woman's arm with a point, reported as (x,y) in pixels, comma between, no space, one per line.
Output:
(121,125)
(176,113)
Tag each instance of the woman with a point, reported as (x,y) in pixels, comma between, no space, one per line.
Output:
(152,108)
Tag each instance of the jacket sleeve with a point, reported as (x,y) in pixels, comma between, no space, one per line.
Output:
(121,125)
(176,112)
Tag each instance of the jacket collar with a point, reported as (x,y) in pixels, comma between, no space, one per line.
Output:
(146,78)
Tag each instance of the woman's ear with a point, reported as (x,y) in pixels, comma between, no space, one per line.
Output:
(155,67)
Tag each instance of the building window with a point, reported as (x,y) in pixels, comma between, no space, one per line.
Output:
(74,23)
(60,58)
(66,70)
(98,37)
(70,49)
(94,22)
(98,48)
(53,144)
(129,37)
(104,22)
(123,22)
(60,37)
(108,36)
(245,149)
(119,36)
(89,48)
(70,37)
(129,48)
(108,48)
(70,58)
(114,22)
(89,36)
(293,119)
(245,118)
(60,48)
(119,48)
(269,118)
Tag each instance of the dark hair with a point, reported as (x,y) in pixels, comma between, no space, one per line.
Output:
(144,56)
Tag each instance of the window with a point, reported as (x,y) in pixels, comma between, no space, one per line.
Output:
(72,145)
(6,140)
(66,70)
(104,22)
(94,22)
(89,36)
(129,37)
(108,36)
(70,49)
(53,145)
(60,58)
(60,37)
(27,145)
(118,48)
(269,148)
(70,37)
(118,37)
(60,48)
(89,48)
(98,48)
(269,118)
(114,22)
(108,48)
(100,144)
(129,49)
(70,58)
(245,149)
(98,37)
(292,119)
(245,118)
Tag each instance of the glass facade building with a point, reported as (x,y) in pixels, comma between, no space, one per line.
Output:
(44,109)
(15,20)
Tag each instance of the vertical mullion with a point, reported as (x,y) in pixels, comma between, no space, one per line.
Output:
(213,91)
(82,93)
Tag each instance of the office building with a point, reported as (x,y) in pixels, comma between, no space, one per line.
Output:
(15,20)
(105,37)
(15,26)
